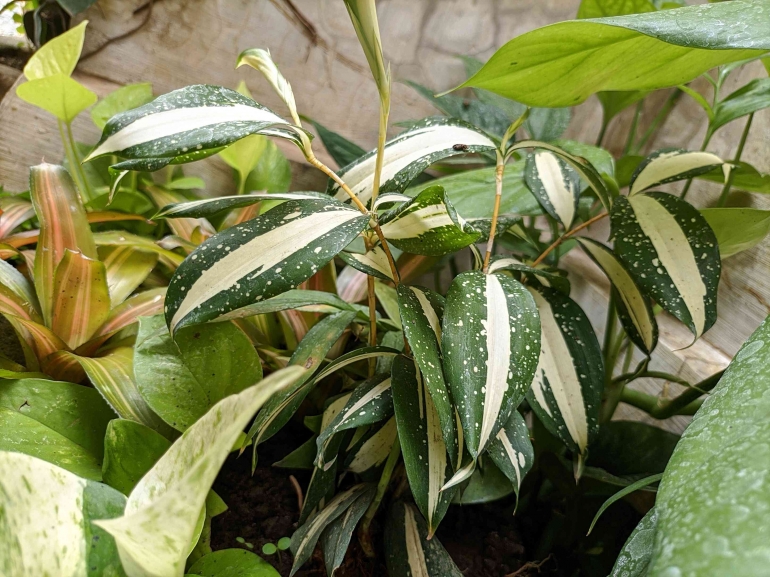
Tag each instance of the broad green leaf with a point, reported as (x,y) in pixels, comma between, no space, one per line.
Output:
(16,294)
(57,56)
(373,448)
(491,344)
(669,165)
(336,537)
(737,229)
(232,563)
(186,183)
(634,558)
(547,123)
(259,259)
(632,448)
(120,100)
(615,102)
(744,177)
(183,377)
(304,540)
(130,450)
(272,172)
(720,528)
(427,462)
(472,192)
(602,8)
(186,125)
(421,312)
(127,268)
(16,211)
(555,185)
(634,309)
(511,450)
(748,99)
(486,484)
(59,94)
(428,224)
(409,551)
(567,387)
(374,263)
(544,277)
(342,150)
(61,423)
(48,521)
(163,510)
(409,154)
(63,225)
(539,69)
(244,154)
(81,298)
(209,207)
(672,253)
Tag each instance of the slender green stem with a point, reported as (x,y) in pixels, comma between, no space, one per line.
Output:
(632,130)
(72,161)
(685,404)
(703,146)
(241,183)
(499,170)
(602,130)
(659,119)
(382,487)
(609,327)
(738,153)
(89,192)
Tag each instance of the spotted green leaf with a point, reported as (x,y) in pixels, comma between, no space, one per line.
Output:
(336,537)
(374,262)
(209,207)
(634,558)
(544,277)
(555,185)
(567,387)
(672,253)
(130,450)
(670,165)
(259,259)
(511,450)
(491,344)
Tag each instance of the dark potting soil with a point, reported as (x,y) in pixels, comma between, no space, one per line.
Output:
(483,540)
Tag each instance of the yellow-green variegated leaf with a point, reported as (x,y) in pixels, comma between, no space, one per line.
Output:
(567,387)
(409,551)
(555,184)
(16,294)
(672,253)
(259,259)
(63,225)
(428,466)
(373,262)
(186,125)
(634,309)
(126,268)
(428,224)
(491,344)
(209,207)
(670,165)
(166,257)
(81,298)
(162,512)
(511,450)
(409,154)
(47,517)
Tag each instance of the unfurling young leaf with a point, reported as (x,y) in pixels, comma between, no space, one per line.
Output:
(672,253)
(363,14)
(670,165)
(261,60)
(567,387)
(491,345)
(555,185)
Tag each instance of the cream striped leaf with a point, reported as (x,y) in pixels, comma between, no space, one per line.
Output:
(259,259)
(186,125)
(372,448)
(209,207)
(162,512)
(567,387)
(672,253)
(428,224)
(304,540)
(670,165)
(15,211)
(544,277)
(554,183)
(409,154)
(391,198)
(47,519)
(421,312)
(427,462)
(491,343)
(261,60)
(373,262)
(16,294)
(634,309)
(297,299)
(409,551)
(511,450)
(336,537)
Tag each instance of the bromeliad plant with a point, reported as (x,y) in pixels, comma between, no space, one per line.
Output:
(449,388)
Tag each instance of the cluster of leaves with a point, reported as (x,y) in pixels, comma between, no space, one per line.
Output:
(443,389)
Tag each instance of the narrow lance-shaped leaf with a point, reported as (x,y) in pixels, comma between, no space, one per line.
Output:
(16,294)
(336,537)
(428,224)
(670,165)
(15,211)
(47,520)
(373,448)
(409,551)
(259,259)
(672,253)
(555,185)
(421,313)
(491,343)
(427,462)
(297,299)
(748,99)
(209,207)
(567,387)
(154,534)
(409,154)
(145,303)
(373,262)
(511,450)
(262,60)
(544,277)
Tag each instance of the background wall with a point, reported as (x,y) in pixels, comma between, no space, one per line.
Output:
(181,42)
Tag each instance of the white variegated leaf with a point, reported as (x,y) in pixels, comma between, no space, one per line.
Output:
(208,207)
(409,154)
(555,184)
(374,262)
(261,60)
(155,533)
(511,450)
(336,537)
(391,198)
(544,277)
(567,387)
(672,254)
(669,165)
(634,309)
(373,448)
